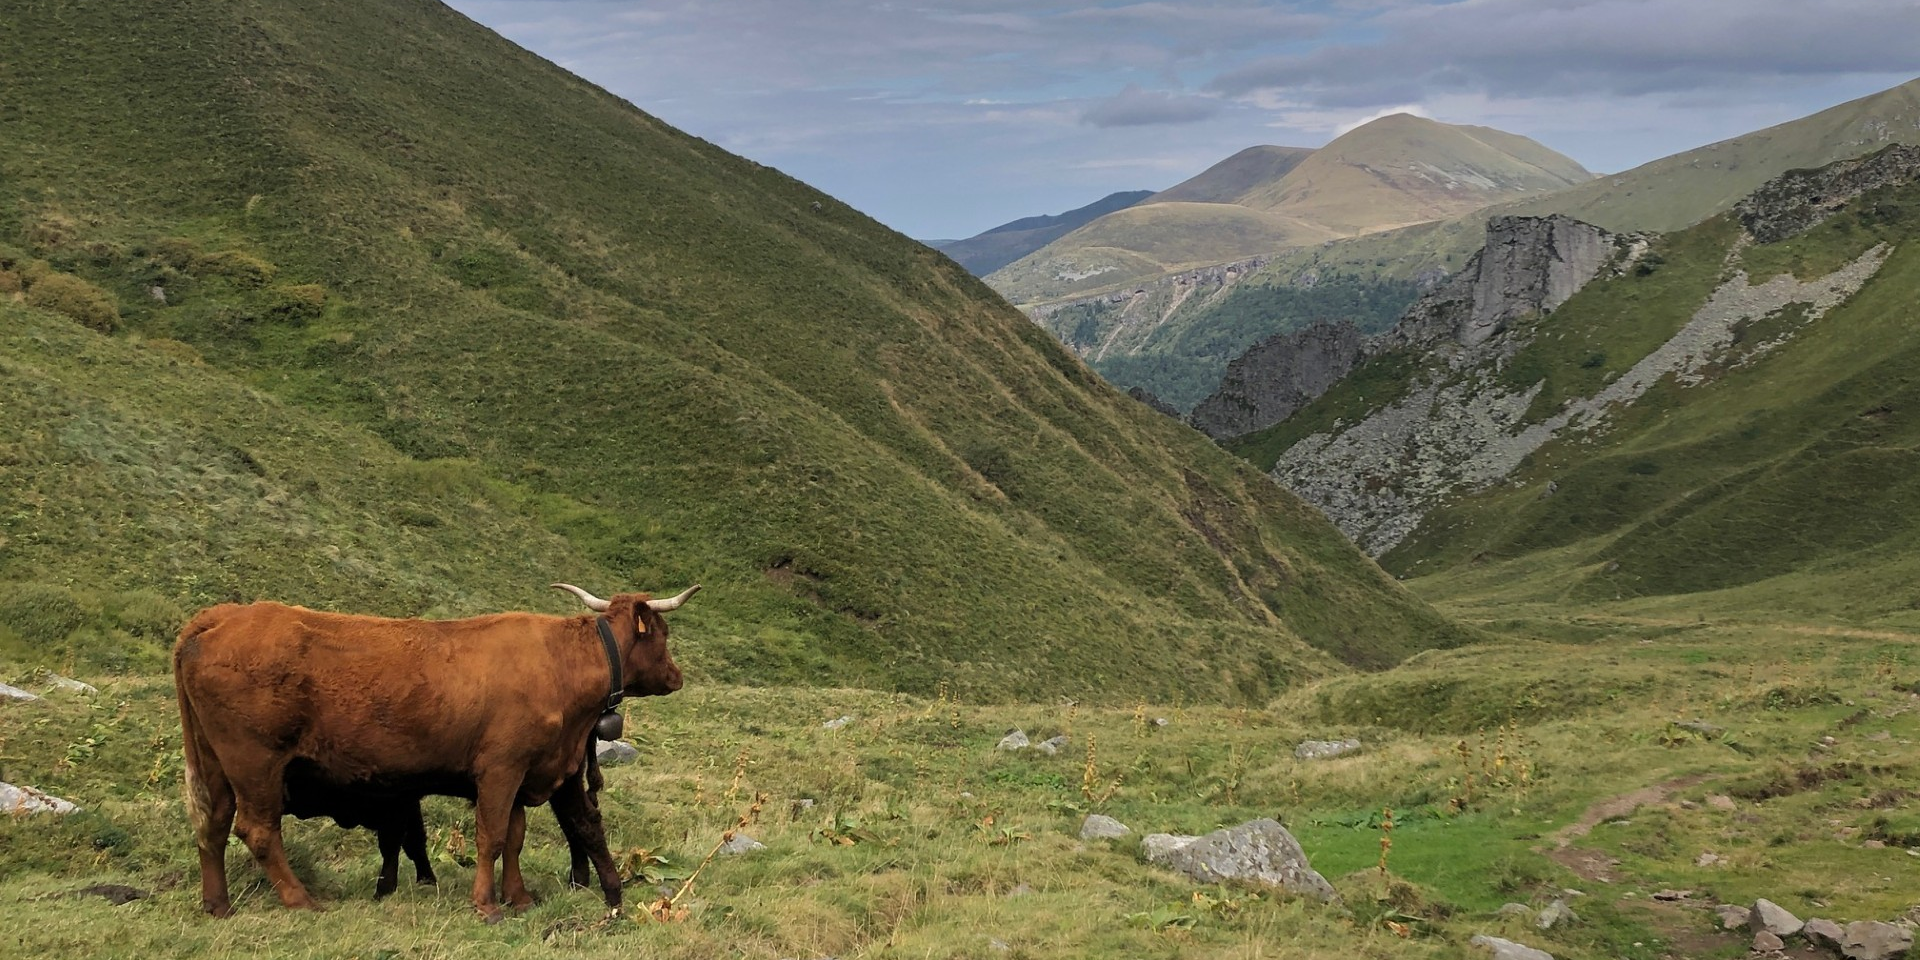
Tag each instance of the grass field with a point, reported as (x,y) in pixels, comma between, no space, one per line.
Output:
(924,841)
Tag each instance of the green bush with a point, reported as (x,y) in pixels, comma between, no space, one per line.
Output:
(147,615)
(81,301)
(43,614)
(296,303)
(243,269)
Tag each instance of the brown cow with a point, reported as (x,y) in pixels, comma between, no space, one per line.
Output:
(497,709)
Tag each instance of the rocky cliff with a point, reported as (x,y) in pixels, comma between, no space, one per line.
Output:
(1278,376)
(1800,199)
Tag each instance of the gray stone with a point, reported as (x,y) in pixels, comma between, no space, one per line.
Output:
(1014,740)
(1733,916)
(1700,727)
(1873,940)
(1052,745)
(1824,933)
(10,692)
(23,800)
(1261,850)
(837,723)
(1278,376)
(997,945)
(69,685)
(1672,895)
(1720,801)
(1159,721)
(1324,749)
(1798,199)
(1773,918)
(1507,949)
(741,843)
(1555,914)
(615,752)
(158,293)
(1708,858)
(1764,942)
(1158,848)
(1514,910)
(1102,827)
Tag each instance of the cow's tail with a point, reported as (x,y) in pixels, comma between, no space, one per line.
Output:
(194,748)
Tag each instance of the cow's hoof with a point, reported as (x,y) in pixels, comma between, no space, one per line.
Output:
(219,911)
(383,891)
(521,903)
(427,881)
(490,914)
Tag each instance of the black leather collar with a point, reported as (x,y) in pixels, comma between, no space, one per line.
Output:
(616,691)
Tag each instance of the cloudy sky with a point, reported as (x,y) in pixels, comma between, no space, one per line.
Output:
(942,118)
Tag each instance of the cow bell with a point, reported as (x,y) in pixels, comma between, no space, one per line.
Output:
(609,726)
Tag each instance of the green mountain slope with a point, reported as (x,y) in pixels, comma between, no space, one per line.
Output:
(1230,180)
(989,251)
(1389,173)
(637,360)
(1664,195)
(1750,437)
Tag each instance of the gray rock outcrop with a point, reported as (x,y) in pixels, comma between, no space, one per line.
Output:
(1014,740)
(741,843)
(24,800)
(1824,933)
(1261,851)
(1774,918)
(1554,915)
(11,692)
(1873,940)
(615,752)
(1102,827)
(1798,200)
(1276,377)
(1158,848)
(69,685)
(1507,949)
(1052,745)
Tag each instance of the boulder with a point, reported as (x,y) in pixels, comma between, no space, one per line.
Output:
(23,800)
(1824,933)
(11,692)
(836,724)
(1014,740)
(1507,949)
(1261,851)
(1514,910)
(1773,918)
(69,685)
(1324,749)
(1873,940)
(1052,745)
(1764,942)
(1158,848)
(615,752)
(1101,827)
(1555,914)
(1733,916)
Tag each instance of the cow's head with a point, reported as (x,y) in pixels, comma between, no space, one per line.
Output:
(640,630)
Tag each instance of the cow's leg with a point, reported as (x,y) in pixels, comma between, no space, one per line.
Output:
(579,814)
(210,800)
(390,836)
(257,821)
(414,840)
(493,808)
(513,886)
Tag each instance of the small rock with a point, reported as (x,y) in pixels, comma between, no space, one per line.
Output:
(1158,848)
(1873,940)
(22,800)
(1720,801)
(1514,910)
(1571,892)
(997,945)
(158,293)
(1764,942)
(1875,844)
(1324,749)
(615,752)
(798,808)
(1829,741)
(1689,805)
(1014,740)
(1733,916)
(1507,949)
(1159,721)
(69,685)
(1052,745)
(1708,859)
(1672,895)
(1770,917)
(1824,933)
(1555,914)
(10,692)
(838,723)
(741,843)
(1101,827)
(1700,727)
(966,795)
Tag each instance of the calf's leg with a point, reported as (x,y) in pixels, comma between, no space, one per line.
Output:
(414,841)
(578,812)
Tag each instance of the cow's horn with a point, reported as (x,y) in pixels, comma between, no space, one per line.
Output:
(593,603)
(662,606)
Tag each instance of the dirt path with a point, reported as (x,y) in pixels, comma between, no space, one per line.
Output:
(1592,864)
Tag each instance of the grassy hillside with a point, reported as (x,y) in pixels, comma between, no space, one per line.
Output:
(995,248)
(1512,772)
(1230,180)
(585,346)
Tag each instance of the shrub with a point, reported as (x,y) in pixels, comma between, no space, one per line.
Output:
(43,614)
(176,252)
(147,615)
(79,300)
(296,303)
(244,269)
